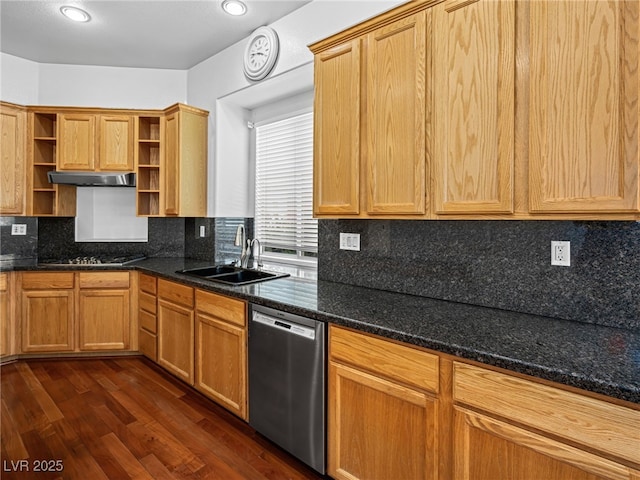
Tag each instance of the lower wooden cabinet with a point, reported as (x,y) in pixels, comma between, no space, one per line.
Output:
(47,311)
(74,311)
(382,425)
(221,350)
(7,320)
(465,422)
(508,427)
(379,429)
(176,329)
(490,449)
(147,319)
(103,311)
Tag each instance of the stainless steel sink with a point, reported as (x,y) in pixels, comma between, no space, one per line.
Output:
(231,275)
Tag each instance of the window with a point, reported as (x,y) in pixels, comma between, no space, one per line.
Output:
(284,221)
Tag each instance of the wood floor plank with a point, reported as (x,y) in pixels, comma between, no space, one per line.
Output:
(127,418)
(125,458)
(42,397)
(155,467)
(9,438)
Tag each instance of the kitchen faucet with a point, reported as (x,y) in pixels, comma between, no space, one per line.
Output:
(241,241)
(257,264)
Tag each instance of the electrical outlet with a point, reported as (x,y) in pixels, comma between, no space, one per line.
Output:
(19,229)
(561,253)
(350,241)
(203,231)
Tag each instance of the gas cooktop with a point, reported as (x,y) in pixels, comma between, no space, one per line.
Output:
(98,260)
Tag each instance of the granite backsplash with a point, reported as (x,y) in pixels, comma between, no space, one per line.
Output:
(499,264)
(53,238)
(18,246)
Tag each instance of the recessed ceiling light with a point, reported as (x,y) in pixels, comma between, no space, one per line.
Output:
(74,13)
(234,7)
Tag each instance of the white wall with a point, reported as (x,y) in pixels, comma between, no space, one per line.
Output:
(221,77)
(111,87)
(30,83)
(18,80)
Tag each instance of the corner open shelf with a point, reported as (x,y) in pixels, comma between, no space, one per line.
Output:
(149,164)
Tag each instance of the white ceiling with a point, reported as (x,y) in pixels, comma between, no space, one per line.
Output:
(172,34)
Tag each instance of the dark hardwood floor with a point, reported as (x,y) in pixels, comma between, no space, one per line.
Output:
(125,418)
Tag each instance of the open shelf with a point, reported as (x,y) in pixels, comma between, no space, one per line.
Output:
(148,172)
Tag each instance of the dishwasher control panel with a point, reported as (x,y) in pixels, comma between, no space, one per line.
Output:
(290,327)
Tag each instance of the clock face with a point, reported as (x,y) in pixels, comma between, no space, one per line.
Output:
(261,53)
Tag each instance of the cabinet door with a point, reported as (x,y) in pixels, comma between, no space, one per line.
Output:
(172,165)
(379,429)
(116,143)
(103,319)
(6,317)
(13,137)
(584,109)
(176,339)
(221,364)
(336,158)
(47,320)
(490,449)
(396,118)
(76,141)
(474,56)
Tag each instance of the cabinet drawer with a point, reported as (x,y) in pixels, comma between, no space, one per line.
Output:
(147,302)
(46,280)
(175,293)
(222,307)
(148,321)
(397,362)
(147,283)
(595,423)
(103,279)
(148,345)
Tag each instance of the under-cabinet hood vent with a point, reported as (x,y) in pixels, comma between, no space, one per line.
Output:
(93,179)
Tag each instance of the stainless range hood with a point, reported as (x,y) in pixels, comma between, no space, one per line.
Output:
(93,179)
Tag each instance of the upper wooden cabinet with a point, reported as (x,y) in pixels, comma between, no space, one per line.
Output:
(95,142)
(116,140)
(472,109)
(375,167)
(583,128)
(336,175)
(395,113)
(167,149)
(185,162)
(474,106)
(13,138)
(76,141)
(172,163)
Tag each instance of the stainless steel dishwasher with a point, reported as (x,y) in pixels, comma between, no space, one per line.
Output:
(287,380)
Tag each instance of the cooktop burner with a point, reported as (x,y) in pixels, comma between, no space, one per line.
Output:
(100,260)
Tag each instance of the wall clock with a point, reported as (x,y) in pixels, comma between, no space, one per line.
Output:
(261,53)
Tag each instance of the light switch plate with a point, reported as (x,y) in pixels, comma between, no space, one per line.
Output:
(19,229)
(350,241)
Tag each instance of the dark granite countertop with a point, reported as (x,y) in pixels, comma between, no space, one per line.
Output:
(600,359)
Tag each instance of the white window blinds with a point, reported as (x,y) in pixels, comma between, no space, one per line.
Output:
(284,221)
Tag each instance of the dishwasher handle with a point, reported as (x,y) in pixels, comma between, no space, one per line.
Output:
(285,325)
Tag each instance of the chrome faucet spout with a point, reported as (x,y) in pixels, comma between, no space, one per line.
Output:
(241,241)
(257,264)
